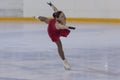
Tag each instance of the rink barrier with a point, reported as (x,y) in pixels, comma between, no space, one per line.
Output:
(31,19)
(111,20)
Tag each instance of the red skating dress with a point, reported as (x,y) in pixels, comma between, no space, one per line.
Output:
(54,33)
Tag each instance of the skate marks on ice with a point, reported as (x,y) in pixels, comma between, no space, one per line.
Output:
(5,78)
(96,71)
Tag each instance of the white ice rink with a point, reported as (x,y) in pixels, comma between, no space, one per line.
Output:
(27,53)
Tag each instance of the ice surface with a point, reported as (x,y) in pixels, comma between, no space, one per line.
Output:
(27,53)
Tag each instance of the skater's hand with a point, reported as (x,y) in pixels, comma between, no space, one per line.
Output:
(70,27)
(49,3)
(36,17)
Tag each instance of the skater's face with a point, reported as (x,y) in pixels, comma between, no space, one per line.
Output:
(62,17)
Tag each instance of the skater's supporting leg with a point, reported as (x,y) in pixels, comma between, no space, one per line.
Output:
(60,49)
(61,53)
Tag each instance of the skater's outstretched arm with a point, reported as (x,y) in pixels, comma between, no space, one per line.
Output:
(43,19)
(53,7)
(60,26)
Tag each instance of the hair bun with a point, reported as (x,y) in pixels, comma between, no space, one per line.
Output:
(57,14)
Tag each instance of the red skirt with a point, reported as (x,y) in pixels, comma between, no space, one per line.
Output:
(55,35)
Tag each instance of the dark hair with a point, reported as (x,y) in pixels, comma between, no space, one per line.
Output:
(57,14)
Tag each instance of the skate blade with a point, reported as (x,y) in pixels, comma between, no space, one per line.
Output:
(67,68)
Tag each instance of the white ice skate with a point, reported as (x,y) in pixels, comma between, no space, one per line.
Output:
(66,65)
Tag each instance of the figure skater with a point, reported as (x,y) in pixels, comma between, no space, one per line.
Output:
(57,28)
